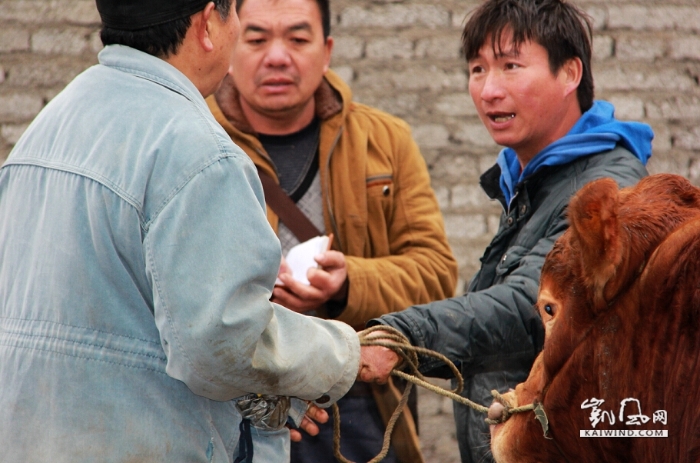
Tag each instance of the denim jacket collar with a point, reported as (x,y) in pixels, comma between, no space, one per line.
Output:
(151,68)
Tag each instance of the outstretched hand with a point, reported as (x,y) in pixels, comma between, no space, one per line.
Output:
(376,362)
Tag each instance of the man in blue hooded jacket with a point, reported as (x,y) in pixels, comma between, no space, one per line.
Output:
(530,78)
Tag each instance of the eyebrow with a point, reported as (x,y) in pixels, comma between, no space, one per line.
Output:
(301,26)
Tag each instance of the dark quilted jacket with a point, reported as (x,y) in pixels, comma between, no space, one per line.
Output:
(493,331)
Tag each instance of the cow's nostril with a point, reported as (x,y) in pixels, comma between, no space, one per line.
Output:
(496,411)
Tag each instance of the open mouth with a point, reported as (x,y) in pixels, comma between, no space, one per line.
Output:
(501,117)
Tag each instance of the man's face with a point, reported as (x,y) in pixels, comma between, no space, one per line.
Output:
(522,104)
(281,57)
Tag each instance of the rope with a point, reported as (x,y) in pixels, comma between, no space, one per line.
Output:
(393,339)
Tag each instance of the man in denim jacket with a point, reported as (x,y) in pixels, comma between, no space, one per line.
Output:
(136,263)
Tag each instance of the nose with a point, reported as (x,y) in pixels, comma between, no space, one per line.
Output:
(496,411)
(491,87)
(277,54)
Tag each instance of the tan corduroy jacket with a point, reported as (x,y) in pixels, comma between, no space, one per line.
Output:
(378,204)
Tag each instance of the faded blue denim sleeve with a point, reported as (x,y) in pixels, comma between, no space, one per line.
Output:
(212,260)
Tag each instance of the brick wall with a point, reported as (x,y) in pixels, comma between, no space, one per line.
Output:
(403,56)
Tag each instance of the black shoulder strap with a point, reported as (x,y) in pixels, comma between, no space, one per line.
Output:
(286,209)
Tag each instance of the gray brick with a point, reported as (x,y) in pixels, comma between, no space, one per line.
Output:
(599,16)
(486,162)
(388,16)
(468,195)
(655,18)
(348,47)
(4,152)
(19,107)
(686,48)
(439,47)
(662,142)
(456,104)
(64,40)
(687,139)
(12,132)
(387,48)
(347,73)
(602,47)
(400,105)
(694,170)
(46,73)
(431,136)
(640,48)
(461,14)
(48,11)
(493,222)
(628,78)
(475,134)
(460,18)
(430,78)
(628,107)
(14,39)
(681,108)
(465,226)
(442,194)
(455,169)
(2,74)
(95,43)
(673,164)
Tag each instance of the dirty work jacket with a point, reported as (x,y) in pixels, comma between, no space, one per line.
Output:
(136,267)
(493,331)
(377,201)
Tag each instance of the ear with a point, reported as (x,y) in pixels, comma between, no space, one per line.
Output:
(327,55)
(593,219)
(572,72)
(203,25)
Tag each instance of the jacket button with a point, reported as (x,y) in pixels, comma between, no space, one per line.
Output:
(505,256)
(523,209)
(324,399)
(386,190)
(509,221)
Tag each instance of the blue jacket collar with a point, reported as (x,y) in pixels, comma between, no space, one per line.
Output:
(596,131)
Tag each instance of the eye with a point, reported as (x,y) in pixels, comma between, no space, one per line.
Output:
(512,66)
(549,309)
(476,69)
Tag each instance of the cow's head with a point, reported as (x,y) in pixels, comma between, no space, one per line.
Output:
(606,290)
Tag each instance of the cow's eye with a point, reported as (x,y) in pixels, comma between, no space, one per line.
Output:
(549,309)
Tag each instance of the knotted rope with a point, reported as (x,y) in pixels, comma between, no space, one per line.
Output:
(393,339)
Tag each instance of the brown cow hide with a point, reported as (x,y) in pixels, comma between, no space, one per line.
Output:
(623,285)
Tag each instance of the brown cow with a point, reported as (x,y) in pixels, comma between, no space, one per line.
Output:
(620,299)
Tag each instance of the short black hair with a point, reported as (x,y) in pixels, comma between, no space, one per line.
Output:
(161,40)
(560,27)
(323,6)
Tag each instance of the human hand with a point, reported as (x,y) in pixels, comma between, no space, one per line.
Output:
(313,414)
(376,362)
(327,282)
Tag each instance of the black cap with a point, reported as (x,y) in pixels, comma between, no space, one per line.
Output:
(130,15)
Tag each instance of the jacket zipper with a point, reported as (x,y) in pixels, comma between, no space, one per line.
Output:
(328,192)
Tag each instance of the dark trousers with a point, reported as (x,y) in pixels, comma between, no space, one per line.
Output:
(361,435)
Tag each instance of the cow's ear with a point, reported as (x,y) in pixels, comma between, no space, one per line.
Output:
(594,222)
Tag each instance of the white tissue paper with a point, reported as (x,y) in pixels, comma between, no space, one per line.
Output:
(301,257)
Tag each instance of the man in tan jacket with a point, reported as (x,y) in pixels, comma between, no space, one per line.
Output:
(357,174)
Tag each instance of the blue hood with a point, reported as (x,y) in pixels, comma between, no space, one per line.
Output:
(596,131)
